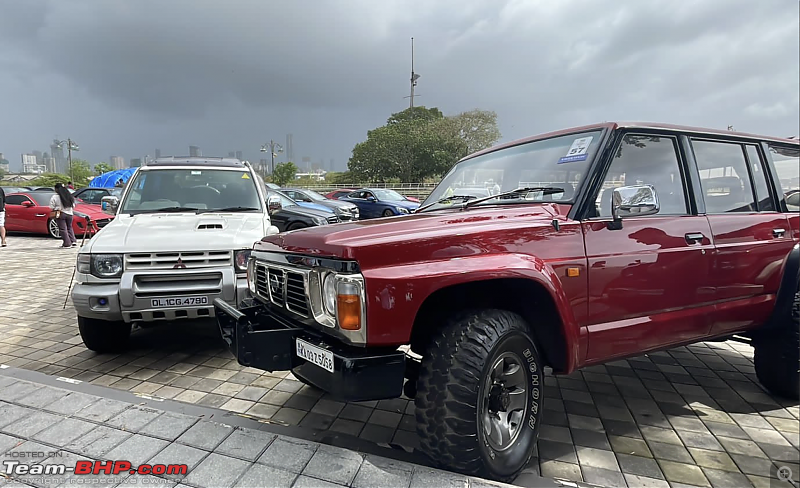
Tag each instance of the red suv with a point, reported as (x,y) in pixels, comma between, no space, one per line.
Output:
(594,244)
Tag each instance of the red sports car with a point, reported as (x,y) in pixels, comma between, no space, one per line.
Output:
(29,211)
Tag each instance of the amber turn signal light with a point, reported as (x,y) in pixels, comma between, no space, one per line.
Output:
(348,311)
(573,272)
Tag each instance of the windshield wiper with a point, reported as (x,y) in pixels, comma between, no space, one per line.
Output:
(547,190)
(445,199)
(228,209)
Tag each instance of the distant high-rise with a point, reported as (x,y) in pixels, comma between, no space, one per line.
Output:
(49,163)
(158,153)
(117,162)
(39,157)
(58,154)
(231,154)
(239,155)
(195,152)
(330,167)
(136,162)
(289,148)
(30,165)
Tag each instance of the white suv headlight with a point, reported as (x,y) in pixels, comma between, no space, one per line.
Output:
(106,265)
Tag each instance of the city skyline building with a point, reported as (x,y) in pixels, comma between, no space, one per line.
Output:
(195,152)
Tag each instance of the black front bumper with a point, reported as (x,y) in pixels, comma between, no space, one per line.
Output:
(263,340)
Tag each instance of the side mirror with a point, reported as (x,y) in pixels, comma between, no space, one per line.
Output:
(110,204)
(27,204)
(274,204)
(633,201)
(272,230)
(370,198)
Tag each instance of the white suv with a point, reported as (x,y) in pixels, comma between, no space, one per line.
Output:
(182,237)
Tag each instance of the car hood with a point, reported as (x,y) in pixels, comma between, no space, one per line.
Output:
(180,232)
(316,206)
(95,212)
(336,204)
(429,235)
(309,211)
(403,203)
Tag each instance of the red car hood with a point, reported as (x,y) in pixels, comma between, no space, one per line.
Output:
(440,234)
(95,212)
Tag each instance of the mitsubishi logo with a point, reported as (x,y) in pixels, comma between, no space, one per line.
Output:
(179,265)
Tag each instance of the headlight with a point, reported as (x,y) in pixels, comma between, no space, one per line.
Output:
(320,221)
(329,293)
(241,258)
(402,210)
(106,265)
(84,263)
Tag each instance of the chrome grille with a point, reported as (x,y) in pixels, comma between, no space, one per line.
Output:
(284,288)
(177,284)
(179,260)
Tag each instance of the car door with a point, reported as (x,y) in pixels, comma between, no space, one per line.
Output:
(22,213)
(648,276)
(752,238)
(373,207)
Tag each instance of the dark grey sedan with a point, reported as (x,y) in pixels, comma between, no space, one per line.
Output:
(344,210)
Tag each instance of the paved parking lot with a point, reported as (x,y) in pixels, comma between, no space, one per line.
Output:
(691,416)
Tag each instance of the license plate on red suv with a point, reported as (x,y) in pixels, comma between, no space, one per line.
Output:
(314,354)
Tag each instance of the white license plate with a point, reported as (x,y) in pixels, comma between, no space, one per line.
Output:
(178,302)
(314,354)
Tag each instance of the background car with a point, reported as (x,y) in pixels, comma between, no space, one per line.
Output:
(30,212)
(380,202)
(287,215)
(793,200)
(272,186)
(341,192)
(95,195)
(343,210)
(15,189)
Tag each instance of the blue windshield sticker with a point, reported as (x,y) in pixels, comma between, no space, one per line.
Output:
(571,159)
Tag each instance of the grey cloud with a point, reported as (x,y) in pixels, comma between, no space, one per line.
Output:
(329,71)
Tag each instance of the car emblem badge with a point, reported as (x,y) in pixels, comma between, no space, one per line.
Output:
(179,265)
(274,283)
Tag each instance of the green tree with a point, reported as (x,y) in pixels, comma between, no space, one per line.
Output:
(284,173)
(421,143)
(48,180)
(101,168)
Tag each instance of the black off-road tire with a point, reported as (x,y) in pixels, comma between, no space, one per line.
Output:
(451,389)
(777,356)
(104,336)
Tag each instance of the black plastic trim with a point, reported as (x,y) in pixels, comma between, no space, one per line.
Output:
(786,292)
(693,173)
(306,261)
(263,340)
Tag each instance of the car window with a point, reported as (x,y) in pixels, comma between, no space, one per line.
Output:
(756,164)
(786,159)
(388,196)
(201,189)
(646,160)
(724,177)
(16,199)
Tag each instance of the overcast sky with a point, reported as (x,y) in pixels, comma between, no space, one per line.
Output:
(123,77)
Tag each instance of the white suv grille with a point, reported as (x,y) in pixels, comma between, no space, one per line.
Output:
(179,260)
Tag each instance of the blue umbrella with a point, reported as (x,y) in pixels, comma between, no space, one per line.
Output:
(108,180)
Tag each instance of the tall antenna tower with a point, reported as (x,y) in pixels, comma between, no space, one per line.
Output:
(289,148)
(414,76)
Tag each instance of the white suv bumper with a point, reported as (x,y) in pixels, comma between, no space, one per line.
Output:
(132,299)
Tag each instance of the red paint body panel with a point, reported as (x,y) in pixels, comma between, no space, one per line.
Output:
(34,219)
(642,272)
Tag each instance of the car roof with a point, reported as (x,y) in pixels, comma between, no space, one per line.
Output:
(196,161)
(634,125)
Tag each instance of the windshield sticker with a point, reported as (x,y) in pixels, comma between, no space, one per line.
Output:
(578,150)
(196,173)
(245,176)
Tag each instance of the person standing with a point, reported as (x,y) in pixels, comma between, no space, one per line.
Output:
(3,216)
(63,203)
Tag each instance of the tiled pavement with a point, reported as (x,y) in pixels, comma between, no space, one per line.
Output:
(49,425)
(691,416)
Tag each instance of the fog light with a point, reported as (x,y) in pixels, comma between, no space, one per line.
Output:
(102,301)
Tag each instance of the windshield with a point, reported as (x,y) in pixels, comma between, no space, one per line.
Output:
(190,190)
(388,195)
(313,195)
(559,162)
(285,201)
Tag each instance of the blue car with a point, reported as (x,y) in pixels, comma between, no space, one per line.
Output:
(380,202)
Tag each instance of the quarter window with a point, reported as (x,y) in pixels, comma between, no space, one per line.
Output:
(16,199)
(646,160)
(724,178)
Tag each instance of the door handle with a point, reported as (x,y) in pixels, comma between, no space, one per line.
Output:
(694,237)
(40,215)
(778,232)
